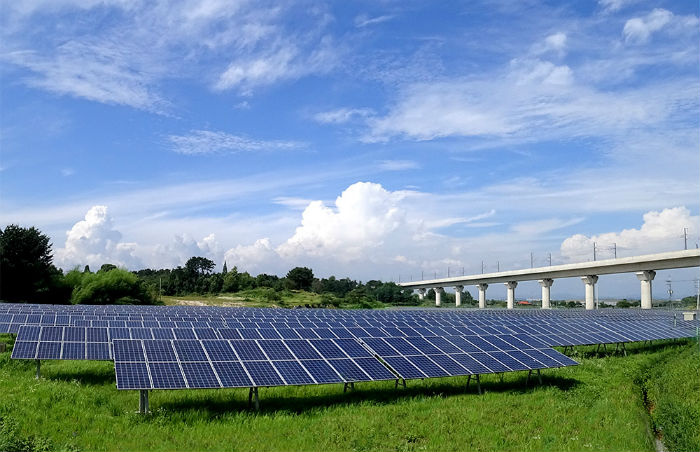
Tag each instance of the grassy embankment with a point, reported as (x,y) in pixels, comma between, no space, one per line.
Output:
(596,406)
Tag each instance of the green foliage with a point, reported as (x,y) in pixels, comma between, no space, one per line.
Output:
(300,278)
(26,270)
(12,439)
(115,286)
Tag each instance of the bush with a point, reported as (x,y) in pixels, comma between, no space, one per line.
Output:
(116,286)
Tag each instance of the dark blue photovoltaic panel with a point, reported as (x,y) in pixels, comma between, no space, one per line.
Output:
(508,360)
(159,351)
(526,359)
(98,351)
(302,349)
(132,375)
(288,333)
(119,333)
(490,362)
(205,333)
(563,359)
(423,345)
(269,333)
(166,376)
(306,334)
(451,366)
(275,350)
(96,335)
(184,334)
(128,351)
(328,349)
(248,350)
(442,344)
(29,333)
(342,333)
(470,364)
(380,347)
(322,372)
(403,367)
(51,333)
(375,369)
(189,351)
(427,366)
(348,370)
(219,350)
(481,343)
(73,350)
(75,334)
(141,333)
(263,374)
(402,345)
(499,343)
(200,375)
(24,350)
(229,333)
(163,333)
(49,350)
(232,375)
(293,372)
(352,348)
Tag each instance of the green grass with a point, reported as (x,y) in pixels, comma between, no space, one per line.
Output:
(262,297)
(595,406)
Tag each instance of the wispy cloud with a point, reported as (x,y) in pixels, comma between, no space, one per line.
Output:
(398,165)
(363,20)
(203,142)
(342,115)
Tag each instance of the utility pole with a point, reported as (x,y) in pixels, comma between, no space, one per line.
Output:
(532,260)
(615,250)
(697,291)
(462,271)
(685,238)
(670,292)
(498,266)
(549,258)
(482,267)
(421,276)
(594,244)
(448,272)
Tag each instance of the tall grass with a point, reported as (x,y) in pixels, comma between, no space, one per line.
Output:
(594,406)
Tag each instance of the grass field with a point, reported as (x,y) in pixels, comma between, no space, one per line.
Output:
(598,406)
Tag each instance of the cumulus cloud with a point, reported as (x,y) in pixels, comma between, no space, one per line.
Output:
(253,258)
(660,231)
(182,247)
(342,115)
(94,241)
(639,29)
(364,215)
(555,43)
(610,6)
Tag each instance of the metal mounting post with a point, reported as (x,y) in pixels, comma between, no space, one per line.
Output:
(478,382)
(38,369)
(350,385)
(143,401)
(539,376)
(403,383)
(253,397)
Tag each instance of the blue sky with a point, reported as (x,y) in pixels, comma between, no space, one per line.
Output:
(363,139)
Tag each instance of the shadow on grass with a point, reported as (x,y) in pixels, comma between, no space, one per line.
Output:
(274,401)
(88,377)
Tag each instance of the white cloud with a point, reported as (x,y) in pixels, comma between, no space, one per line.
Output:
(364,215)
(610,6)
(180,249)
(342,115)
(363,20)
(639,29)
(660,231)
(397,165)
(94,241)
(201,142)
(555,43)
(255,258)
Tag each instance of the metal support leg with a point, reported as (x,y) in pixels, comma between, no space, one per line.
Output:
(38,369)
(539,376)
(350,385)
(143,401)
(403,383)
(478,382)
(624,350)
(253,398)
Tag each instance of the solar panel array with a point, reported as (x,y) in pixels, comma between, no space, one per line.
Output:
(169,347)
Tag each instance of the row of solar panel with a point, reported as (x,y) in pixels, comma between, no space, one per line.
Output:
(143,364)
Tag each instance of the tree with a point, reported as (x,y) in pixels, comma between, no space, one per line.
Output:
(26,270)
(300,278)
(116,286)
(200,265)
(106,267)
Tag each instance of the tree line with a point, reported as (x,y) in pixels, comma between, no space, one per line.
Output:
(27,274)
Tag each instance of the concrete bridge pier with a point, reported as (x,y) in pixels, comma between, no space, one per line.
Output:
(510,296)
(421,294)
(438,296)
(546,286)
(645,279)
(482,295)
(458,295)
(590,281)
